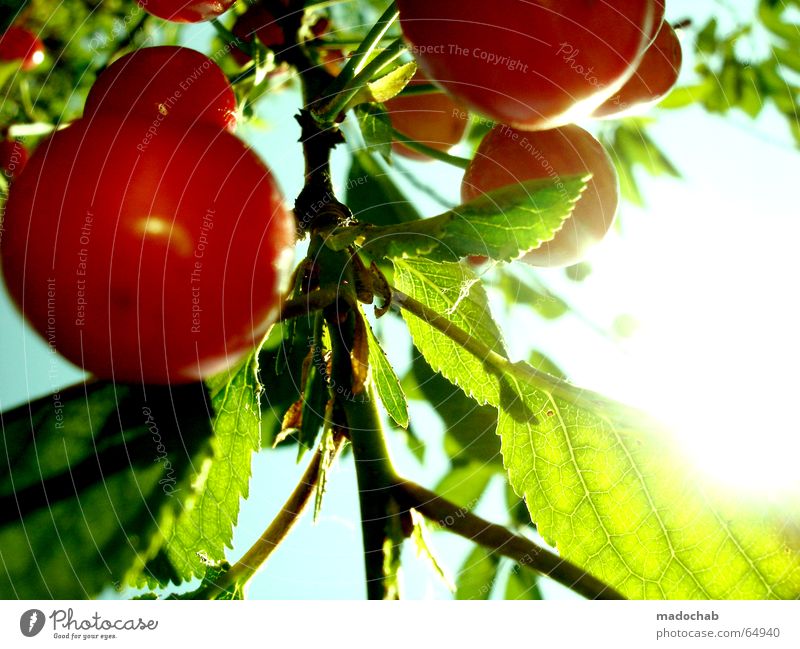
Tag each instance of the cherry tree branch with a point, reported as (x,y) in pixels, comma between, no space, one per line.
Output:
(244,569)
(461,521)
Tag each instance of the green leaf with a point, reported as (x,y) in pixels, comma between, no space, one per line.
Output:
(507,222)
(625,325)
(543,363)
(424,549)
(281,373)
(208,588)
(707,41)
(386,382)
(93,480)
(770,12)
(603,482)
(639,147)
(522,584)
(465,484)
(751,100)
(391,84)
(470,429)
(203,533)
(517,511)
(376,128)
(608,489)
(787,57)
(453,291)
(503,224)
(579,272)
(478,574)
(684,96)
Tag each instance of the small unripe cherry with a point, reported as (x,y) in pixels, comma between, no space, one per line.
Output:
(432,119)
(20,44)
(507,156)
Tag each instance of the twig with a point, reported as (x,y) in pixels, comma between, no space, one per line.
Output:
(522,371)
(307,304)
(244,569)
(496,537)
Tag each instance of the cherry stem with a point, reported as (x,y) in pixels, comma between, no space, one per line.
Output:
(374,471)
(341,101)
(365,48)
(436,154)
(524,372)
(229,38)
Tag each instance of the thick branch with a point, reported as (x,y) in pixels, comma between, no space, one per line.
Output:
(376,477)
(495,537)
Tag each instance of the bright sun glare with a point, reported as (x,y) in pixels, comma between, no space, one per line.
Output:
(717,354)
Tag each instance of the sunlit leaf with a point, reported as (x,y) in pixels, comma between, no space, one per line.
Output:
(477,576)
(376,128)
(386,382)
(502,225)
(452,289)
(204,532)
(604,483)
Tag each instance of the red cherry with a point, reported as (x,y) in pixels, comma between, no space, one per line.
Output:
(321,27)
(161,265)
(534,64)
(20,44)
(658,18)
(256,22)
(183,11)
(656,75)
(333,61)
(13,158)
(165,82)
(432,119)
(507,156)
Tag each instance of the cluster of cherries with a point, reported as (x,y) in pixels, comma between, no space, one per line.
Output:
(147,243)
(533,69)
